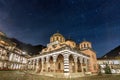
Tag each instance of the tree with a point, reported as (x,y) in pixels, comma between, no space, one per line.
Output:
(107,69)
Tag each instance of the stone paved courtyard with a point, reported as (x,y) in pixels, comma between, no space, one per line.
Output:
(16,75)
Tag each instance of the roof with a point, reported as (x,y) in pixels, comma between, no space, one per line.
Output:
(112,58)
(85,41)
(57,34)
(70,40)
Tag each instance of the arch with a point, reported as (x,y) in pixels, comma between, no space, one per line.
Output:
(71,63)
(83,62)
(40,65)
(51,67)
(50,59)
(60,63)
(44,65)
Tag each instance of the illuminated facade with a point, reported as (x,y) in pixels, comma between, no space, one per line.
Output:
(11,58)
(113,63)
(65,56)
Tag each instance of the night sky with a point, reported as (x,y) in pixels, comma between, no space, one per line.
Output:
(34,21)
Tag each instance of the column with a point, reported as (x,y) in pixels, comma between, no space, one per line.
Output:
(54,62)
(81,62)
(33,64)
(42,64)
(66,63)
(47,64)
(86,62)
(75,60)
(37,65)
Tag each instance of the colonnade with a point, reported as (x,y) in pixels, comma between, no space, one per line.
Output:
(61,63)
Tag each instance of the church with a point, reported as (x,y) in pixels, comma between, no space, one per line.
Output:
(66,57)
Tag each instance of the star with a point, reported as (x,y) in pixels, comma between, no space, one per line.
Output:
(30,14)
(96,10)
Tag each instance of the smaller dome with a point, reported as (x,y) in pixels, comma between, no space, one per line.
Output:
(84,41)
(70,40)
(71,43)
(85,44)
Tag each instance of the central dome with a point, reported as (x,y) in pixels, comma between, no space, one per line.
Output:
(57,37)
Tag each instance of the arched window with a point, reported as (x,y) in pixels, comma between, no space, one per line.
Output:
(59,66)
(87,45)
(57,38)
(81,46)
(84,45)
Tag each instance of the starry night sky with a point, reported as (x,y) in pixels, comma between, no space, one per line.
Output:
(34,21)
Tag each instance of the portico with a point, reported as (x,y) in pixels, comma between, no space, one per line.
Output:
(65,61)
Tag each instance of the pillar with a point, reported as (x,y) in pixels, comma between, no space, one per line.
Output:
(42,64)
(86,64)
(54,62)
(66,63)
(47,63)
(37,65)
(75,60)
(33,64)
(81,62)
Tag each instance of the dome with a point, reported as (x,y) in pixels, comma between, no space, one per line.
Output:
(85,44)
(70,40)
(71,43)
(57,37)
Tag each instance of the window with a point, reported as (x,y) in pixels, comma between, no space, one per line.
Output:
(84,45)
(81,46)
(59,66)
(87,45)
(57,38)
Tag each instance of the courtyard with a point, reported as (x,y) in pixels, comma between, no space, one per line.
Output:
(18,75)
